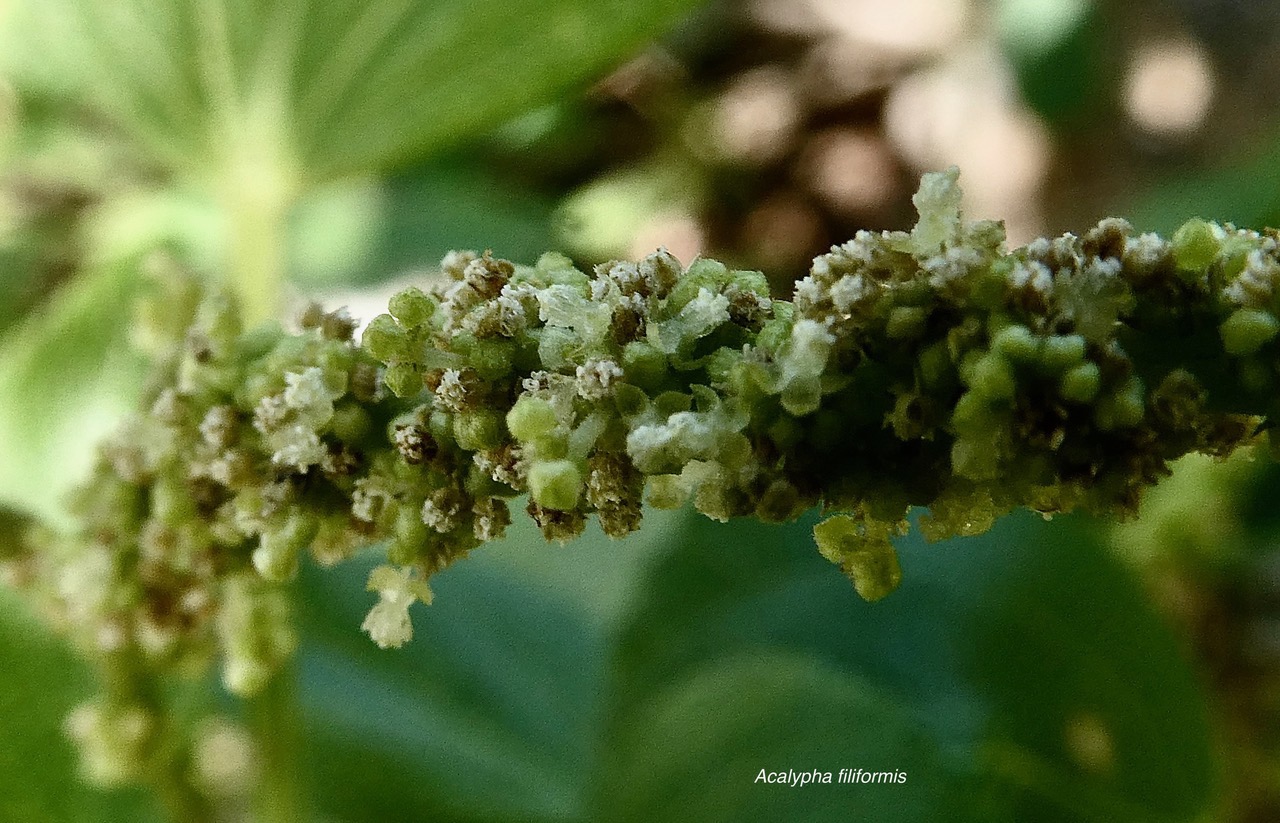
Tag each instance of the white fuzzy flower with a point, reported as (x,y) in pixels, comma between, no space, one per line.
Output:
(388,621)
(451,395)
(938,202)
(951,266)
(699,317)
(807,294)
(297,446)
(1033,276)
(270,413)
(849,291)
(684,436)
(111,741)
(561,305)
(308,395)
(595,379)
(440,514)
(861,248)
(218,427)
(1145,251)
(705,312)
(84,584)
(1256,283)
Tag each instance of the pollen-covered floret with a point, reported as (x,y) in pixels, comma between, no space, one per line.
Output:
(595,379)
(388,622)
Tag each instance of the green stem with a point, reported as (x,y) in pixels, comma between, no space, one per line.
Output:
(257,201)
(276,724)
(168,765)
(181,802)
(255,173)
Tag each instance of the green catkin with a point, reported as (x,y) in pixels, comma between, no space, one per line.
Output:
(930,368)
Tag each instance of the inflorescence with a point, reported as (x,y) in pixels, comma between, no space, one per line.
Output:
(928,368)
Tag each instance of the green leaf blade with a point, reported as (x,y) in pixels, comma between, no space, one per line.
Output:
(345,87)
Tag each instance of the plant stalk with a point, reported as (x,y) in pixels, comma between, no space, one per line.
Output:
(167,770)
(257,206)
(276,724)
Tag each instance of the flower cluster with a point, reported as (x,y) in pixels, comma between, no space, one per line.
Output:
(929,368)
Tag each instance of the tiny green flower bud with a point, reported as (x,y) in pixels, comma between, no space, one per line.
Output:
(666,491)
(715,498)
(1256,375)
(871,563)
(987,286)
(935,364)
(555,484)
(802,396)
(408,536)
(403,379)
(557,347)
(992,378)
(906,323)
(1017,343)
(1195,247)
(386,340)
(1080,384)
(412,307)
(672,402)
(531,418)
(975,459)
(555,269)
(778,330)
(335,363)
(492,358)
(350,422)
(1248,330)
(276,557)
(170,501)
(256,387)
(440,426)
(476,430)
(1124,408)
(1234,254)
(256,632)
(973,414)
(218,322)
(748,280)
(722,366)
(779,503)
(786,432)
(702,273)
(1061,352)
(644,365)
(112,740)
(630,401)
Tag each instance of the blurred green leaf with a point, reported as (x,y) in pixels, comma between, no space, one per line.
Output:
(1029,27)
(1060,52)
(486,716)
(1016,676)
(1244,189)
(331,88)
(67,374)
(361,231)
(38,780)
(600,219)
(702,742)
(1028,652)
